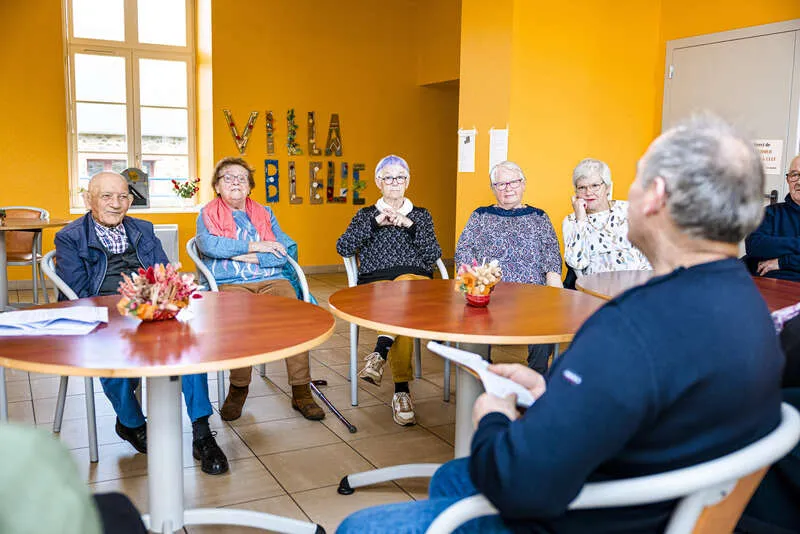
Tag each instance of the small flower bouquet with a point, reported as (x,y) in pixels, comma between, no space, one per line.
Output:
(478,280)
(186,189)
(156,293)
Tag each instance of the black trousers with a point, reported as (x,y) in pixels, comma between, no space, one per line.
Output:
(118,514)
(538,357)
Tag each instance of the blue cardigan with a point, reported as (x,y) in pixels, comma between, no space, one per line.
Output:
(778,236)
(81,258)
(678,371)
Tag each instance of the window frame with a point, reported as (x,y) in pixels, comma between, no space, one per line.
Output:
(132,51)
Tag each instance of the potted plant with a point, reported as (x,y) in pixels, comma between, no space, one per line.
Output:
(477,281)
(186,190)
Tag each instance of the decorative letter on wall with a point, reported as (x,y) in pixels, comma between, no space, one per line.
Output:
(334,143)
(293,198)
(313,150)
(270,133)
(314,183)
(342,198)
(241,140)
(271,184)
(291,134)
(358,184)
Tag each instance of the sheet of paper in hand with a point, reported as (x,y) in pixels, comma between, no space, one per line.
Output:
(74,321)
(495,384)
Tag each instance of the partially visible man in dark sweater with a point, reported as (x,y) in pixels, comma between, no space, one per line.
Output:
(91,255)
(678,371)
(775,244)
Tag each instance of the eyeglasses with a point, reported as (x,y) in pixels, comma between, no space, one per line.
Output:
(122,198)
(793,176)
(394,179)
(593,188)
(502,186)
(235,178)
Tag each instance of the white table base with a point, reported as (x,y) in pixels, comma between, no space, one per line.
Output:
(165,474)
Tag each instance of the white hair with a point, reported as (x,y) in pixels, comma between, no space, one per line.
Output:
(593,168)
(509,166)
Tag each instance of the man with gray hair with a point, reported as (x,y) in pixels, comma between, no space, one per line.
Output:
(679,371)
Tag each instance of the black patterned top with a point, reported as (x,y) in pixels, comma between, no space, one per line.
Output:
(522,240)
(386,252)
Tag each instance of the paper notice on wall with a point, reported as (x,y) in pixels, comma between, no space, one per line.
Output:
(498,146)
(466,150)
(771,151)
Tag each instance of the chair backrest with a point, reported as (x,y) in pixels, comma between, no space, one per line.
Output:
(21,242)
(351,268)
(49,268)
(204,273)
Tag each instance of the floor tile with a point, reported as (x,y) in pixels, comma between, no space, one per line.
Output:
(134,487)
(435,412)
(340,397)
(21,412)
(446,432)
(339,356)
(319,373)
(282,506)
(48,387)
(116,460)
(262,409)
(247,480)
(313,468)
(18,390)
(416,445)
(327,508)
(75,432)
(370,421)
(286,435)
(12,375)
(74,407)
(420,389)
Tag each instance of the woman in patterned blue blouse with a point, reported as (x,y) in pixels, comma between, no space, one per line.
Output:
(519,236)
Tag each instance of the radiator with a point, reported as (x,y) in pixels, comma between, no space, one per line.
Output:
(168,235)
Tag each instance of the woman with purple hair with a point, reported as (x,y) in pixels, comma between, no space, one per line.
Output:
(394,240)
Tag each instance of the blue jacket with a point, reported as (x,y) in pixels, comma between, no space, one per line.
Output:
(778,236)
(81,259)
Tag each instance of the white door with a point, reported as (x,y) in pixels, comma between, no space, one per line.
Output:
(751,81)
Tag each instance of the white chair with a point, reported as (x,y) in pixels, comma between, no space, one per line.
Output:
(351,268)
(48,266)
(25,247)
(712,494)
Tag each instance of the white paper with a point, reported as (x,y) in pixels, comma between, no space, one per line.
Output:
(498,146)
(771,151)
(75,321)
(495,384)
(466,150)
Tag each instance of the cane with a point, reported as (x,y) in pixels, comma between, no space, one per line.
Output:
(323,398)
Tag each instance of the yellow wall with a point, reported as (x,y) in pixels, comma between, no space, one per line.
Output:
(343,57)
(353,58)
(437,29)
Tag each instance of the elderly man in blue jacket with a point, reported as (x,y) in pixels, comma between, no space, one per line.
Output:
(91,255)
(775,245)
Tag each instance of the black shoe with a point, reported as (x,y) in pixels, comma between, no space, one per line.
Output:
(135,436)
(212,459)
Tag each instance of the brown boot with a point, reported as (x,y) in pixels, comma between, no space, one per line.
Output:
(232,407)
(303,402)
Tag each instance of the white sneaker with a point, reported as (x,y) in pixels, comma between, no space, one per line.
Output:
(373,370)
(403,409)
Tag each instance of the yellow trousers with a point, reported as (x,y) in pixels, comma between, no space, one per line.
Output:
(403,348)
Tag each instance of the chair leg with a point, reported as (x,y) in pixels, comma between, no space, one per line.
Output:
(446,384)
(262,370)
(43,280)
(35,281)
(220,389)
(91,419)
(62,398)
(417,358)
(3,396)
(353,364)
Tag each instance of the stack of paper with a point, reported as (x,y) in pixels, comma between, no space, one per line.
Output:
(75,321)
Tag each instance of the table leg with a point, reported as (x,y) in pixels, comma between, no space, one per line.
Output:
(164,454)
(3,274)
(468,389)
(3,396)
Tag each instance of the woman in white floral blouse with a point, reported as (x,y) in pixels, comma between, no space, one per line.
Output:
(596,233)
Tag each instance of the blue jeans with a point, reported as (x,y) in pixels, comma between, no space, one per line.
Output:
(120,392)
(449,484)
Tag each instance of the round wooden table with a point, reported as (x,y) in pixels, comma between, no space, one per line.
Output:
(777,293)
(13,225)
(518,314)
(229,330)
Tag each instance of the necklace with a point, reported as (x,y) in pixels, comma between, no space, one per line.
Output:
(604,226)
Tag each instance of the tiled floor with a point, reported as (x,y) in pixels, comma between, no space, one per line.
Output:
(280,463)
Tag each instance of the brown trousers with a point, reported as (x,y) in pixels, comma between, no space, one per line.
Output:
(297,367)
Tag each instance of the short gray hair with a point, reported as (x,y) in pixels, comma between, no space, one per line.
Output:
(589,168)
(509,166)
(713,175)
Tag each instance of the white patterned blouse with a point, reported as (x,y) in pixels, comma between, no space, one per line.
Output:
(600,243)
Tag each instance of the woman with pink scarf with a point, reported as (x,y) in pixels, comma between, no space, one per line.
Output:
(246,250)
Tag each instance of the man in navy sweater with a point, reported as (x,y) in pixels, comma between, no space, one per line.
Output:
(678,371)
(775,244)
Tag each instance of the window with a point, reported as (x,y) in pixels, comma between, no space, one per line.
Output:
(131,87)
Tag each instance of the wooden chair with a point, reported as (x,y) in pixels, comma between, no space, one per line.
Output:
(351,268)
(25,247)
(712,494)
(48,266)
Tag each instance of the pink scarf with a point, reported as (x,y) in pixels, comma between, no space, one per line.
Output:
(218,218)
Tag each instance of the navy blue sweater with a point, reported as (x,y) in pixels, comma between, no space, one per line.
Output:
(778,236)
(683,369)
